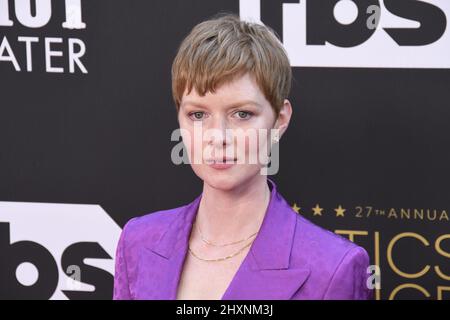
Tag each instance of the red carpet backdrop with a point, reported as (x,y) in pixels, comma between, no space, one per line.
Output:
(86,116)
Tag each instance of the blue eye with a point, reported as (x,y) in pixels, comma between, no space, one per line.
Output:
(198,115)
(244,114)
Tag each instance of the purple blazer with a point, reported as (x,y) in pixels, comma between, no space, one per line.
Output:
(290,258)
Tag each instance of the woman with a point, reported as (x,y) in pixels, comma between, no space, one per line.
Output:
(239,239)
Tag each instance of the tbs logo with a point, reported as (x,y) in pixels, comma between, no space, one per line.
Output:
(358,33)
(56,251)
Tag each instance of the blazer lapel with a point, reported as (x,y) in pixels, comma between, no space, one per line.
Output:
(160,265)
(265,284)
(265,272)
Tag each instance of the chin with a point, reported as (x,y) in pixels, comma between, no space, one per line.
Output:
(225,180)
(222,181)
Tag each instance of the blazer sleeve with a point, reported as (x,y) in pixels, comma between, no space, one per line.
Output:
(350,280)
(121,284)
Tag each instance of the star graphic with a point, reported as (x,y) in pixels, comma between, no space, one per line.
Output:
(317,210)
(340,211)
(296,208)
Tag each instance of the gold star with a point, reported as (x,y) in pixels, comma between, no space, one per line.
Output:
(296,208)
(340,211)
(317,210)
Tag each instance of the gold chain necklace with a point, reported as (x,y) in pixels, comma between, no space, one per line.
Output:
(220,259)
(223,244)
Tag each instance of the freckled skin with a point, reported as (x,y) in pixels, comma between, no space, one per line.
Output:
(220,113)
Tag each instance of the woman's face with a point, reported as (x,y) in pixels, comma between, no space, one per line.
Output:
(233,123)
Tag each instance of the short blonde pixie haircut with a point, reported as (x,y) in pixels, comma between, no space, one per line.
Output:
(218,50)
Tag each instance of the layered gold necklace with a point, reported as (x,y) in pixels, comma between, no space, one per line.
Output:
(221,245)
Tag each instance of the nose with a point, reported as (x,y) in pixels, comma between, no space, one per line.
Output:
(220,134)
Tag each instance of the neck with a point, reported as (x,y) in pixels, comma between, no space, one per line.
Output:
(231,215)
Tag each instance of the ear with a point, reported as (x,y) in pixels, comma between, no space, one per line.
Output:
(284,116)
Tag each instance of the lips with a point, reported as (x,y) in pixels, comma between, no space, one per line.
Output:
(221,164)
(221,161)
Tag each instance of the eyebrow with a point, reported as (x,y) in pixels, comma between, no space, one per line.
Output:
(234,104)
